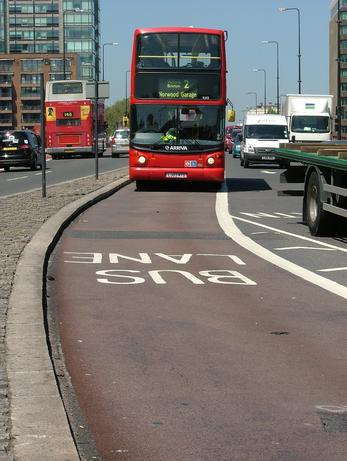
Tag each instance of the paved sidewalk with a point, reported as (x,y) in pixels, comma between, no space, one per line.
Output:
(22,215)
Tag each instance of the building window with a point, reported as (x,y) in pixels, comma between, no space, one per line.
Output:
(59,76)
(7,78)
(33,79)
(28,92)
(30,119)
(31,105)
(31,65)
(6,66)
(86,5)
(6,106)
(57,65)
(80,46)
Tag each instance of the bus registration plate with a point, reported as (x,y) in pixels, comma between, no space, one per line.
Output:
(190,163)
(176,175)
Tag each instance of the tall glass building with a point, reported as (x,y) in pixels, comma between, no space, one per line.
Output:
(52,26)
(56,38)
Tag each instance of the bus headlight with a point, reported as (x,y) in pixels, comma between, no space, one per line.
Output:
(211,161)
(142,160)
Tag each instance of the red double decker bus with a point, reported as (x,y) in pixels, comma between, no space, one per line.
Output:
(69,119)
(178,99)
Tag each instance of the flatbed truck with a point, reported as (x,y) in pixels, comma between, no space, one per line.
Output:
(325,184)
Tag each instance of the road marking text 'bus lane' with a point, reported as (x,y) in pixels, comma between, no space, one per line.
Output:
(160,276)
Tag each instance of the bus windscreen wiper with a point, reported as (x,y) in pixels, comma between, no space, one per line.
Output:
(193,142)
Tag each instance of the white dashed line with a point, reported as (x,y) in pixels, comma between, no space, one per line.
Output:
(334,269)
(16,179)
(305,248)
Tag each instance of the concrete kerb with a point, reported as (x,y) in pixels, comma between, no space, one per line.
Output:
(40,428)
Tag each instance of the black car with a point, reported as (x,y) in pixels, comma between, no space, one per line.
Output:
(20,148)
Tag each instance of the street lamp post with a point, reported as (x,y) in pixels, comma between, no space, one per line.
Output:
(256,100)
(75,10)
(338,114)
(103,56)
(299,45)
(263,70)
(277,71)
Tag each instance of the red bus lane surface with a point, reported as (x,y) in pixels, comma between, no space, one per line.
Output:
(182,345)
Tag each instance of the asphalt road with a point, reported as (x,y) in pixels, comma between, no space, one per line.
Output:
(185,344)
(23,179)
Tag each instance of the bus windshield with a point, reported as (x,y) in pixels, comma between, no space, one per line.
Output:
(178,50)
(197,127)
(310,124)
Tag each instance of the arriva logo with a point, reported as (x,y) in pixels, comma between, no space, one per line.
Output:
(176,148)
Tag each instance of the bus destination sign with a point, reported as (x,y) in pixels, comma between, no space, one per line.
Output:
(178,88)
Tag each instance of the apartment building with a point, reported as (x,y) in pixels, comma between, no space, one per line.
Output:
(56,38)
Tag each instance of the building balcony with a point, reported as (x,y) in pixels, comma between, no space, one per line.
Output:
(30,98)
(30,84)
(6,122)
(33,110)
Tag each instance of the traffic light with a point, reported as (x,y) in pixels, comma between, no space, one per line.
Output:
(125,121)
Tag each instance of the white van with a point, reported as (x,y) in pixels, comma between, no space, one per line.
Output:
(262,134)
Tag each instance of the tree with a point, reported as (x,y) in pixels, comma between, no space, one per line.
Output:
(114,115)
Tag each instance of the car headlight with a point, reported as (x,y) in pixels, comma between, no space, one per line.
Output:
(210,161)
(250,149)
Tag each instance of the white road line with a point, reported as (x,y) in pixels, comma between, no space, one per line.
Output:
(334,269)
(260,232)
(226,222)
(305,248)
(16,179)
(259,214)
(39,174)
(285,215)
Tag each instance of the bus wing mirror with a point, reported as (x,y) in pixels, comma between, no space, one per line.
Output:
(231,115)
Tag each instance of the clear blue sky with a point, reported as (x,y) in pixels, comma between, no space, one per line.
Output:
(248,23)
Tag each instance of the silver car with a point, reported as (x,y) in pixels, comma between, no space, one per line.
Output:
(120,142)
